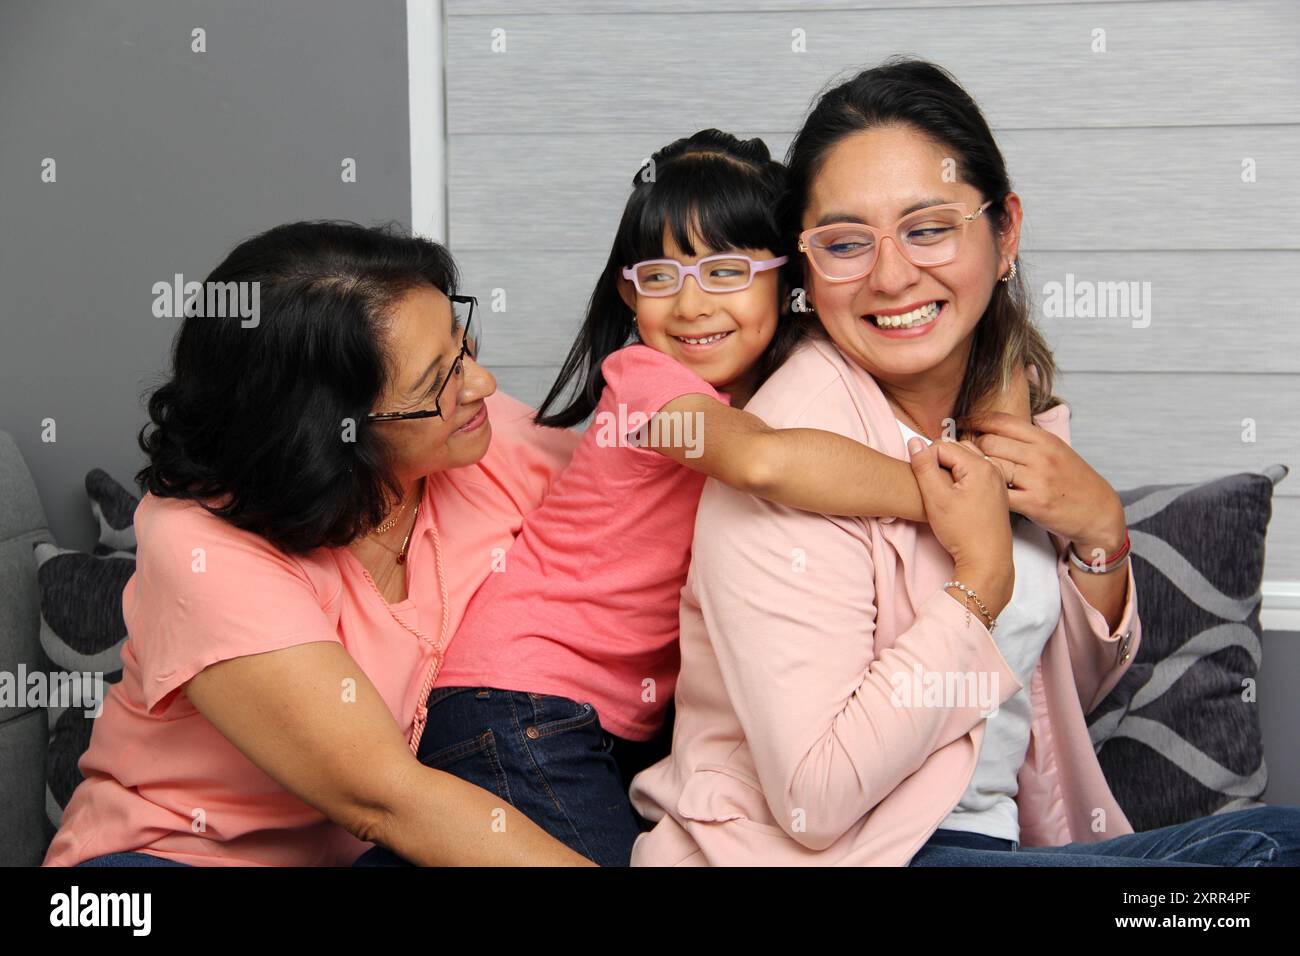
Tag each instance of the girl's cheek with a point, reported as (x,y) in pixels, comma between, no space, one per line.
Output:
(764,311)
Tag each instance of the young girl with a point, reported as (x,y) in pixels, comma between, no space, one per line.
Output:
(568,656)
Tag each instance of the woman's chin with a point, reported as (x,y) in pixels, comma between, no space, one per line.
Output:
(892,363)
(887,357)
(468,448)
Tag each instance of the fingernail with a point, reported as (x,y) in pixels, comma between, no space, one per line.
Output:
(914,445)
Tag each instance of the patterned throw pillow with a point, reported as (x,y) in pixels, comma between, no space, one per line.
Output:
(1178,738)
(82,631)
(114,508)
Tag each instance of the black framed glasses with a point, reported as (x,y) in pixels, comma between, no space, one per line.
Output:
(462,307)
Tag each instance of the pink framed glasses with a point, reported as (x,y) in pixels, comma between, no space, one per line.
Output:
(846,251)
(728,272)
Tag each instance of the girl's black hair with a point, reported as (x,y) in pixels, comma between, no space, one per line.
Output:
(273,415)
(921,95)
(725,188)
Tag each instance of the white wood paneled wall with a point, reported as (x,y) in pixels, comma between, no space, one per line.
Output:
(1130,163)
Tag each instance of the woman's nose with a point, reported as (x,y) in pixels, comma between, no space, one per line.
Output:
(892,272)
(478,382)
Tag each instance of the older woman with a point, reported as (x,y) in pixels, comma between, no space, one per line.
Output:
(875,691)
(327,487)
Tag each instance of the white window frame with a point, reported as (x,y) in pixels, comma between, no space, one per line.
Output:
(426,84)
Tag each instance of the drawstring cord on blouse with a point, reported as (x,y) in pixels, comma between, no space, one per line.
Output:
(422,702)
(430,675)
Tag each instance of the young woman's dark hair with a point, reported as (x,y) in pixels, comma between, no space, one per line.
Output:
(727,190)
(272,417)
(915,93)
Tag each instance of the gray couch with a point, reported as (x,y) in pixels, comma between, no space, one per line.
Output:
(24,827)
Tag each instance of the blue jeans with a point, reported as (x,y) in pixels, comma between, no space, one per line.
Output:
(129,859)
(546,756)
(1264,836)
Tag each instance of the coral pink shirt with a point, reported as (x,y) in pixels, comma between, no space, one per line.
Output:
(158,776)
(585,604)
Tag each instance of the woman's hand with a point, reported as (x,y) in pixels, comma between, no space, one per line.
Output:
(966,503)
(1053,486)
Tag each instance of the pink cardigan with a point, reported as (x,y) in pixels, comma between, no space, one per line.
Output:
(788,747)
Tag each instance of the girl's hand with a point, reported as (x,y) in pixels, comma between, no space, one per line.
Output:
(1053,486)
(966,503)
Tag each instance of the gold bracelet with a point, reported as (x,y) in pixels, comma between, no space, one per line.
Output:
(972,596)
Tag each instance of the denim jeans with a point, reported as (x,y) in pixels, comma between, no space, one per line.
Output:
(130,858)
(1263,836)
(546,756)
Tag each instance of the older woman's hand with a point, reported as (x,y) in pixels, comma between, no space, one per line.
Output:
(1050,483)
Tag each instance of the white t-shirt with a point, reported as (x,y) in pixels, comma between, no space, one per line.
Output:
(988,806)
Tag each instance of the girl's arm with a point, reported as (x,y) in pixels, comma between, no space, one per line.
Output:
(805,468)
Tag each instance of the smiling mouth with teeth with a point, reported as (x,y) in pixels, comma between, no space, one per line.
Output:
(706,340)
(909,320)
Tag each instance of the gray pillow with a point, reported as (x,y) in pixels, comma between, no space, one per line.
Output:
(1178,738)
(82,630)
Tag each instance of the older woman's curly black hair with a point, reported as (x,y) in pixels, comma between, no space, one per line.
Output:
(265,424)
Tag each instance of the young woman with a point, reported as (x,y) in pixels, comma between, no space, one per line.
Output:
(568,655)
(873,691)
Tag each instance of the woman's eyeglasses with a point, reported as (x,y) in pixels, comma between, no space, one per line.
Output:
(470,344)
(845,251)
(728,272)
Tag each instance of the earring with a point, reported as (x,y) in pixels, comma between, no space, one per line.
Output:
(1011,273)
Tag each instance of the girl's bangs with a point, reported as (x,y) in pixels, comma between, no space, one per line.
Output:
(743,217)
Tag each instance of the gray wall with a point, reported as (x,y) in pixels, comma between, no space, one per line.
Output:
(166,158)
(1129,163)
(1279,715)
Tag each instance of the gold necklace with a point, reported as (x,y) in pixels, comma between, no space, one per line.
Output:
(391,522)
(406,541)
(401,555)
(906,418)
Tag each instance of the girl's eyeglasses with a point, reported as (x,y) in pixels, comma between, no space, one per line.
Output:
(470,344)
(728,272)
(845,251)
